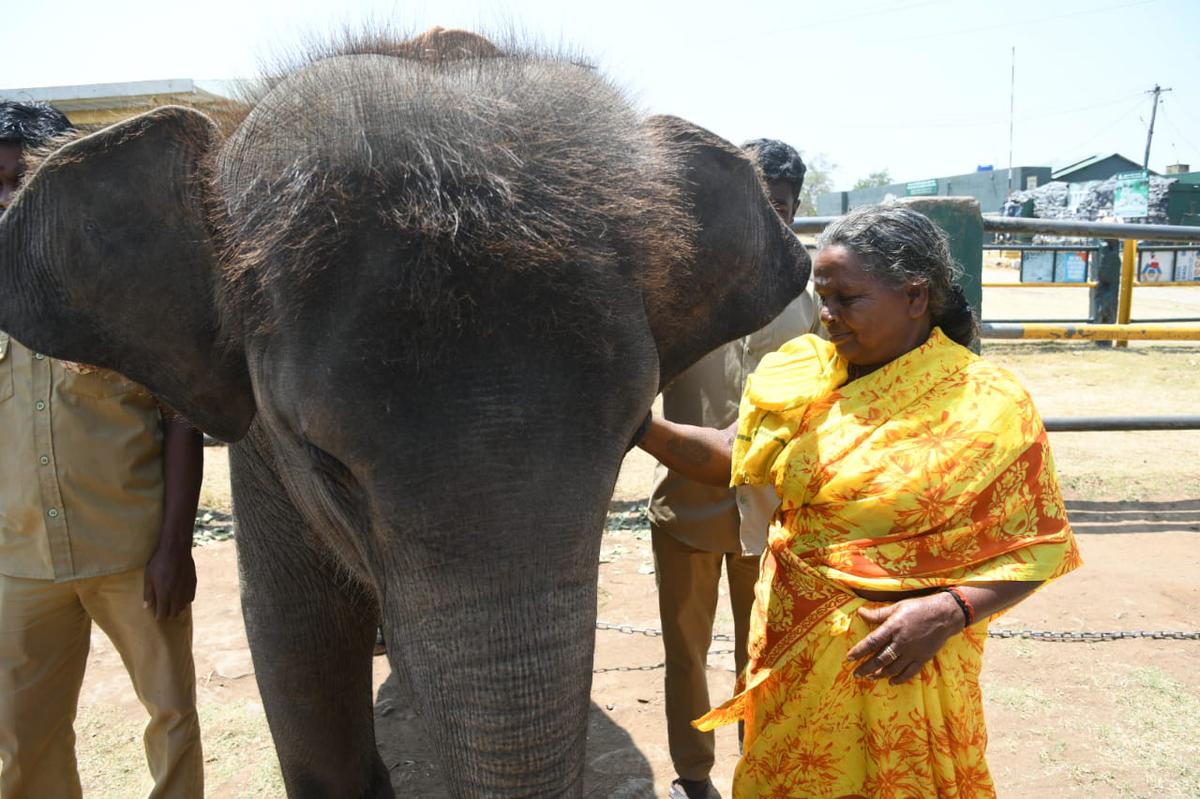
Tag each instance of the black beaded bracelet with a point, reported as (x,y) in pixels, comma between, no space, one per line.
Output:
(963,605)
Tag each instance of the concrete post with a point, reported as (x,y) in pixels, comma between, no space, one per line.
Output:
(1106,271)
(960,217)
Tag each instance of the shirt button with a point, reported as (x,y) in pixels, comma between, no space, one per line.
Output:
(39,356)
(41,406)
(52,513)
(43,460)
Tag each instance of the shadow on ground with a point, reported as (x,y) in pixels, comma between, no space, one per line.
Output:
(616,769)
(1103,518)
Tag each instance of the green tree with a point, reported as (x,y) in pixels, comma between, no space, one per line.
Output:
(879,177)
(818,180)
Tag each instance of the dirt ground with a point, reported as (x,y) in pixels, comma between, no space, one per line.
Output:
(1115,719)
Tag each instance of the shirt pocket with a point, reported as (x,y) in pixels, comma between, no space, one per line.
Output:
(6,368)
(88,381)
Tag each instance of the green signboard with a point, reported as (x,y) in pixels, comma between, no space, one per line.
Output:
(921,188)
(1131,195)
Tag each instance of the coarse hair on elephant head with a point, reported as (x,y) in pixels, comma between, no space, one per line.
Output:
(437,295)
(480,193)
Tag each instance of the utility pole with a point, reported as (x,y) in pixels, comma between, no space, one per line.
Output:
(1012,94)
(1156,91)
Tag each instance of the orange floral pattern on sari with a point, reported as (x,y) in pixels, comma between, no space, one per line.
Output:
(934,470)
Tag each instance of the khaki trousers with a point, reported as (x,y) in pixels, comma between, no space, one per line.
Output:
(45,632)
(687,601)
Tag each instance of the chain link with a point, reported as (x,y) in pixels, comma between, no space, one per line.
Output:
(655,667)
(1086,636)
(1032,635)
(652,632)
(661,665)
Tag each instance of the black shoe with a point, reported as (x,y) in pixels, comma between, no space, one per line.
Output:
(693,789)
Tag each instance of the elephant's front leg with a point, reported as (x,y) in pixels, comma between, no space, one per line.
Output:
(311,637)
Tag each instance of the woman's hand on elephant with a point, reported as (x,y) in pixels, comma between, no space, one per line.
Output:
(907,636)
(702,454)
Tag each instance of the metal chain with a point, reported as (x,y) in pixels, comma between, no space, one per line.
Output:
(1033,635)
(661,664)
(1092,637)
(655,667)
(629,629)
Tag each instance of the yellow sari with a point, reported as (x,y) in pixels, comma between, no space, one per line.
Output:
(931,471)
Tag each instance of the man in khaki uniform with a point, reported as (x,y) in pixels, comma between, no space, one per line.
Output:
(98,500)
(695,528)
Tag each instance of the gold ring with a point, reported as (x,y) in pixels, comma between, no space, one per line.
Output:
(888,655)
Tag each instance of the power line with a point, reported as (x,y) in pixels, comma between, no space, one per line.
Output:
(1064,112)
(877,11)
(1012,99)
(1013,24)
(868,13)
(1130,111)
(1179,133)
(985,122)
(991,120)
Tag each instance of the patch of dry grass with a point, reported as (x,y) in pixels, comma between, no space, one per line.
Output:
(1137,736)
(239,759)
(1081,379)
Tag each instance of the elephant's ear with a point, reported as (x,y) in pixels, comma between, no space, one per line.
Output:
(745,266)
(107,257)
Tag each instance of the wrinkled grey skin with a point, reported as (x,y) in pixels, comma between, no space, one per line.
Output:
(427,428)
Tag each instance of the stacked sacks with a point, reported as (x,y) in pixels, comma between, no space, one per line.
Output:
(1094,200)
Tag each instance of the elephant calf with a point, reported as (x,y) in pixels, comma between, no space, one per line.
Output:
(430,292)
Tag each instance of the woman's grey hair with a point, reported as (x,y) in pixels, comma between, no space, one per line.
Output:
(900,246)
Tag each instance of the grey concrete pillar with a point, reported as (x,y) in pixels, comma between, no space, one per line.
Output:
(1102,299)
(962,220)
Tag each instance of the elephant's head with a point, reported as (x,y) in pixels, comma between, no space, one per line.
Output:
(445,314)
(746,264)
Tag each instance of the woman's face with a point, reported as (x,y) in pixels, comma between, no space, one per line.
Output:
(869,321)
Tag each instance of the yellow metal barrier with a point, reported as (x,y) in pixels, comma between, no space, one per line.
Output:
(1119,333)
(1125,298)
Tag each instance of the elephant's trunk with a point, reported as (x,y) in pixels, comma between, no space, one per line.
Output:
(501,658)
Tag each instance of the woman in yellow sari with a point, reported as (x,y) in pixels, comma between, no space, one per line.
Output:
(918,499)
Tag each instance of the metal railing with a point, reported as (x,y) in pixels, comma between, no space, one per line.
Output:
(1116,327)
(1129,234)
(1105,325)
(1090,332)
(1097,424)
(1096,230)
(1050,227)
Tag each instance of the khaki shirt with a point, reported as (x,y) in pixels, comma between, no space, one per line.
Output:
(705,517)
(81,472)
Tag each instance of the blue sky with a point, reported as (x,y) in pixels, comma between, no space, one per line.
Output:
(919,87)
